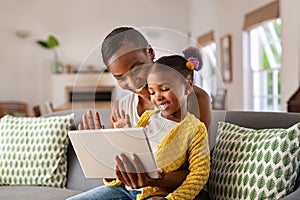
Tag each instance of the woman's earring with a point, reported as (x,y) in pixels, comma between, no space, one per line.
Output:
(151,52)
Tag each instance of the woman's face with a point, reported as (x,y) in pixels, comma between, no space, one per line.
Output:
(130,67)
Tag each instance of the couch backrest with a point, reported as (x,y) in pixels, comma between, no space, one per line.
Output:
(217,116)
(249,119)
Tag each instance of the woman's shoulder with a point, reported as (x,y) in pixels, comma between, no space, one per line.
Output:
(129,100)
(200,93)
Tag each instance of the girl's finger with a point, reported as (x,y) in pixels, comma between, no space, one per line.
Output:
(122,113)
(117,114)
(127,119)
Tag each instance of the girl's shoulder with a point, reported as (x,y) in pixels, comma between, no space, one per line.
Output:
(193,121)
(144,119)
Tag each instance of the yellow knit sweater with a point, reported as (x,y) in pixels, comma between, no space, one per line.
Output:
(187,142)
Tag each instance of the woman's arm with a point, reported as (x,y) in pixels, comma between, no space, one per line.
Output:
(204,103)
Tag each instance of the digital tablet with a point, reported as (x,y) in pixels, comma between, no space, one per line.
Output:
(96,150)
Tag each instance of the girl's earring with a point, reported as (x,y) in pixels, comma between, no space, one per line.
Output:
(189,87)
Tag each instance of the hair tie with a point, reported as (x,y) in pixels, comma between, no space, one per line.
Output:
(190,65)
(194,61)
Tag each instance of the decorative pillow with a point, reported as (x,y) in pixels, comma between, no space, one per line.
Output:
(33,151)
(254,164)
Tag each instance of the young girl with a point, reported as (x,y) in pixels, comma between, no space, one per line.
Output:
(178,138)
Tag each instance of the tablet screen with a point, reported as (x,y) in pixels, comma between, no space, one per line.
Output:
(96,150)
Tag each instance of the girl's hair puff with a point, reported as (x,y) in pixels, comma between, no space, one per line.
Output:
(195,53)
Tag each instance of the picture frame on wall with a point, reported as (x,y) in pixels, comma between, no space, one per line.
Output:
(226,58)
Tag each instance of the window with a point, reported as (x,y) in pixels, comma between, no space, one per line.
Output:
(262,59)
(206,78)
(265,64)
(209,82)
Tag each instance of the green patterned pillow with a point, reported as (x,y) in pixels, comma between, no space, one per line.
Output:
(254,164)
(33,151)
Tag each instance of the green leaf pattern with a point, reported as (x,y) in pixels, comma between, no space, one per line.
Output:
(254,164)
(30,154)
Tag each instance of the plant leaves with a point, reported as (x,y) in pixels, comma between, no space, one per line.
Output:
(43,43)
(52,41)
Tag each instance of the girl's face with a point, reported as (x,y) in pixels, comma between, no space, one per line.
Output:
(169,93)
(130,67)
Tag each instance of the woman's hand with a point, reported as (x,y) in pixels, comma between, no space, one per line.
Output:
(131,172)
(157,198)
(121,120)
(89,122)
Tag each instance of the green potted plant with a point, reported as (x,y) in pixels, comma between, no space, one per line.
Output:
(52,43)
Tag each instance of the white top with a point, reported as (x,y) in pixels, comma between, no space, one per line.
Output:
(158,128)
(129,105)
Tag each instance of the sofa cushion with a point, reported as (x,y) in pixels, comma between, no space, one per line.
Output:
(254,164)
(33,151)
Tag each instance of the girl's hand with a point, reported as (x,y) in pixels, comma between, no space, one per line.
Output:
(157,198)
(120,120)
(131,172)
(89,122)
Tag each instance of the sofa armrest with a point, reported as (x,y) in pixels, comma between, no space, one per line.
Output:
(293,196)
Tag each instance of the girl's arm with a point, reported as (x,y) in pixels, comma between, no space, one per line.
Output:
(199,167)
(138,180)
(121,119)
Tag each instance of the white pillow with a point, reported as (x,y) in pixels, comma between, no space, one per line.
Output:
(33,151)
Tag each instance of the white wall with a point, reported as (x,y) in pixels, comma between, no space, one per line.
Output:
(79,25)
(226,17)
(290,48)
